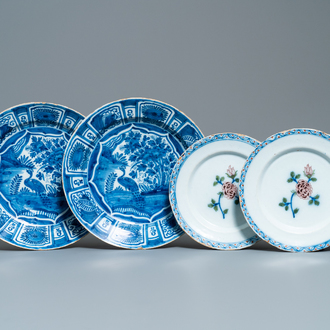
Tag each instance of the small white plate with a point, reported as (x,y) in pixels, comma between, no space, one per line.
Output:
(284,190)
(203,191)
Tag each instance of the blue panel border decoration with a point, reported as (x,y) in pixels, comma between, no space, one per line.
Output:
(117,167)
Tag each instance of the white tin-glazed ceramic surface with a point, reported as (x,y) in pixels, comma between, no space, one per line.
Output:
(284,190)
(203,191)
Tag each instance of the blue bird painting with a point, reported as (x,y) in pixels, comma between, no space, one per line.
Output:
(33,184)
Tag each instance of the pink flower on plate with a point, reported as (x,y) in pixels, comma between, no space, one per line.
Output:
(304,189)
(231,171)
(308,170)
(229,190)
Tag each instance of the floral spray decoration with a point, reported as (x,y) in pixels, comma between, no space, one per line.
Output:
(229,190)
(304,190)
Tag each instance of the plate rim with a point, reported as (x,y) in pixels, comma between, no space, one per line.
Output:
(251,222)
(66,151)
(227,136)
(7,110)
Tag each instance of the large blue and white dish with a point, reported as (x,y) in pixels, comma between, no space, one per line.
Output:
(34,213)
(204,191)
(117,167)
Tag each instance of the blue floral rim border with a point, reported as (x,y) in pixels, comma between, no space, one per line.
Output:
(251,222)
(12,231)
(173,200)
(105,226)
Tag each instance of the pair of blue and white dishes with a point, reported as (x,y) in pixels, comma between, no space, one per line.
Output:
(137,172)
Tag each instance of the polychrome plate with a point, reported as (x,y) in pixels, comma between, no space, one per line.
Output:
(34,213)
(203,191)
(117,167)
(284,190)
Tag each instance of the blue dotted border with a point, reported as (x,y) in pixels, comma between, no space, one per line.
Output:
(173,200)
(245,210)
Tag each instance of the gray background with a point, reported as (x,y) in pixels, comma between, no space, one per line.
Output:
(252,67)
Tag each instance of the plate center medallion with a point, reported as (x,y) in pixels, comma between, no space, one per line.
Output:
(130,171)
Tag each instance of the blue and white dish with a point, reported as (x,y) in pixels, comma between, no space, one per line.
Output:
(284,190)
(117,167)
(203,191)
(34,213)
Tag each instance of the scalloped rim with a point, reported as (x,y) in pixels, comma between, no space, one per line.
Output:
(173,200)
(251,222)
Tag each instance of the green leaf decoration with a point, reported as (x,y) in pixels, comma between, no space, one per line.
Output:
(216,208)
(297,176)
(293,192)
(236,201)
(286,207)
(215,183)
(281,204)
(217,178)
(284,200)
(295,211)
(228,175)
(237,179)
(225,211)
(292,174)
(212,201)
(317,197)
(222,178)
(220,193)
(310,202)
(317,203)
(313,179)
(210,205)
(290,180)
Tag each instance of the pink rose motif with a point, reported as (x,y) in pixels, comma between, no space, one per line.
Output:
(229,190)
(308,170)
(231,171)
(304,189)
